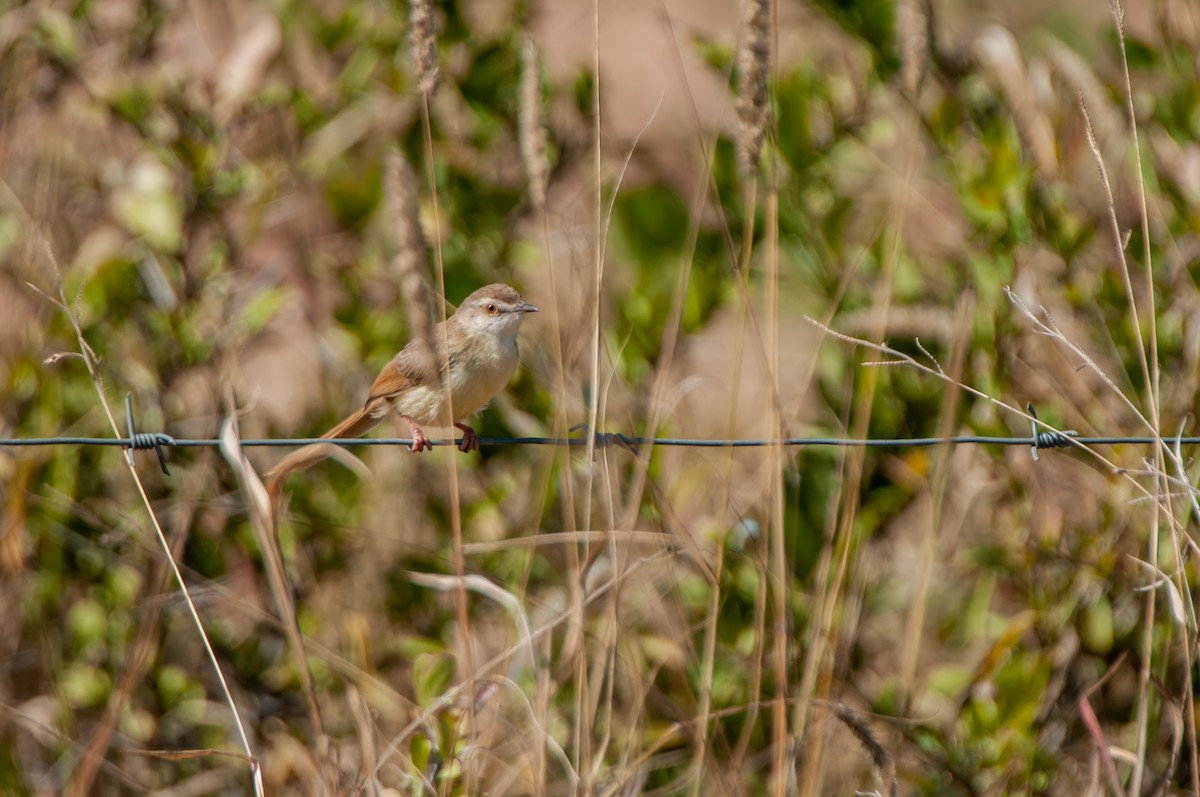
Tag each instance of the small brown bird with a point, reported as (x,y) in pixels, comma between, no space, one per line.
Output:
(476,355)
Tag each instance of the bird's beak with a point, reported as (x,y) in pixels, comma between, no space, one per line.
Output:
(526,307)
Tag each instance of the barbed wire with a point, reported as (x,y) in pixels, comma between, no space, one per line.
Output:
(1037,440)
(608,439)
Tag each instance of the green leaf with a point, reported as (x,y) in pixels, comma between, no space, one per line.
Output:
(149,205)
(431,675)
(84,686)
(262,308)
(86,621)
(1096,626)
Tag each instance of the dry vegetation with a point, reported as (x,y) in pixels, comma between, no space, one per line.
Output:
(730,216)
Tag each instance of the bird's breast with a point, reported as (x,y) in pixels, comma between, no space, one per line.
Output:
(479,372)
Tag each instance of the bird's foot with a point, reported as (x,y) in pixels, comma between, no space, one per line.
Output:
(420,441)
(469,442)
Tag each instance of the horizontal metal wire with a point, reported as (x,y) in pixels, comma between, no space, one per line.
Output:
(609,439)
(1038,439)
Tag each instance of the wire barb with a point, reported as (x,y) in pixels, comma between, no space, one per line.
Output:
(1046,439)
(144,441)
(606,439)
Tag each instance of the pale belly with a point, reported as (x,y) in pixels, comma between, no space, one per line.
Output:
(472,386)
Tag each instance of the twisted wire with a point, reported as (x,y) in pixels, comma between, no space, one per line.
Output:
(1037,440)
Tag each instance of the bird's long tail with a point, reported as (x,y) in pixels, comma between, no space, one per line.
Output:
(356,425)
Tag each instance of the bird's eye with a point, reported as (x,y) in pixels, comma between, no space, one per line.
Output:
(491,308)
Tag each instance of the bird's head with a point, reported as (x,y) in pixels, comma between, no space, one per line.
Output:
(496,309)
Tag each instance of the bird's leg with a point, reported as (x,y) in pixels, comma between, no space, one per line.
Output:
(420,441)
(469,442)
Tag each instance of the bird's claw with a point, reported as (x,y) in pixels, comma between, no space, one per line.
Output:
(420,441)
(469,441)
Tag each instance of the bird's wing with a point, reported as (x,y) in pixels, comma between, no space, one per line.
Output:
(413,366)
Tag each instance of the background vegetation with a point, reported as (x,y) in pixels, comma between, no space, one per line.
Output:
(207,185)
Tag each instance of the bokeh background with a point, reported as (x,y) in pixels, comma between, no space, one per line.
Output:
(216,193)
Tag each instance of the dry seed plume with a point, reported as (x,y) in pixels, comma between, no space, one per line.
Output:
(885,770)
(530,130)
(422,44)
(1076,72)
(997,51)
(912,37)
(753,64)
(1179,21)
(408,262)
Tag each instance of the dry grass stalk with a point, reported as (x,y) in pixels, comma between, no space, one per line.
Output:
(753,64)
(530,131)
(1119,242)
(408,262)
(1106,120)
(422,43)
(997,52)
(1179,21)
(912,37)
(959,342)
(1150,371)
(896,357)
(258,506)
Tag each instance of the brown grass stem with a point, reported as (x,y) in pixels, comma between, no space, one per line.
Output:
(583,760)
(453,499)
(1149,365)
(258,507)
(947,419)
